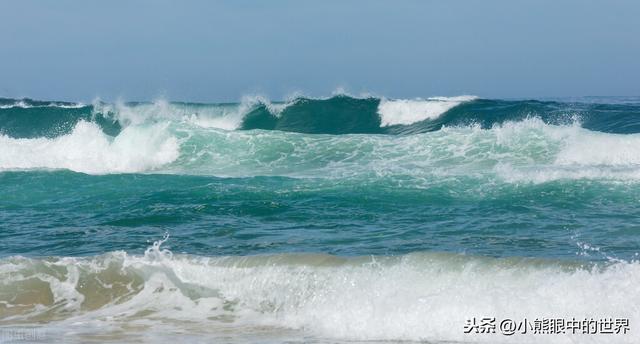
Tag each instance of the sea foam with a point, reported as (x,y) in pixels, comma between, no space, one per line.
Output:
(408,111)
(87,149)
(420,296)
(24,104)
(514,152)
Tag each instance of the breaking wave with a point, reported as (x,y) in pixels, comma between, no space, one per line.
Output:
(87,149)
(340,114)
(524,151)
(419,296)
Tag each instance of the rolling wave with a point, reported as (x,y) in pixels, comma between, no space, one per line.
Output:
(339,114)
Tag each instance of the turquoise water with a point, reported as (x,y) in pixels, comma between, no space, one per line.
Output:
(316,220)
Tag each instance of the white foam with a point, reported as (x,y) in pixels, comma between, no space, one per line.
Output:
(67,106)
(18,104)
(23,105)
(87,149)
(422,297)
(408,111)
(600,149)
(524,151)
(567,152)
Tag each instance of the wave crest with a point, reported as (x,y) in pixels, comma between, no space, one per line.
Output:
(87,149)
(339,114)
(408,111)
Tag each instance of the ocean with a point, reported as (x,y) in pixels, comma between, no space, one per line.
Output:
(319,220)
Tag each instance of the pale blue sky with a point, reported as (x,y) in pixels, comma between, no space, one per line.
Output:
(220,50)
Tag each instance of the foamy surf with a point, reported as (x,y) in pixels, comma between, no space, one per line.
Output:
(528,151)
(416,297)
(87,149)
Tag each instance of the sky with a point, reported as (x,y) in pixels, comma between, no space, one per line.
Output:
(217,51)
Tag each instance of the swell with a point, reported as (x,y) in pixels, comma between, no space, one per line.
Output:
(420,296)
(336,115)
(31,119)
